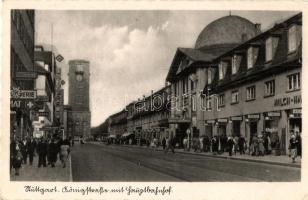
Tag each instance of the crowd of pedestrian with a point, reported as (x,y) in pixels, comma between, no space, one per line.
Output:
(259,144)
(48,150)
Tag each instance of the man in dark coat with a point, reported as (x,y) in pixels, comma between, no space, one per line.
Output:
(24,152)
(230,144)
(164,143)
(241,145)
(42,152)
(52,152)
(31,145)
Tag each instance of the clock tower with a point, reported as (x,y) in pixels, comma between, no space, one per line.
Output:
(79,97)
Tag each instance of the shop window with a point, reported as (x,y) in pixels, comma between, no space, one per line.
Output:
(294,82)
(236,61)
(234,97)
(269,88)
(250,93)
(221,100)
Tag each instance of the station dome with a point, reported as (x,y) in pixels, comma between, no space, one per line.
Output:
(227,30)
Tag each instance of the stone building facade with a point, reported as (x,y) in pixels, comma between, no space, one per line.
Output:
(79,98)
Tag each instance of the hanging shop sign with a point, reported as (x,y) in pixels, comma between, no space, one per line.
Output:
(238,118)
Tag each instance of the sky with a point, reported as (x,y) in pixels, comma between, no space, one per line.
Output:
(130,52)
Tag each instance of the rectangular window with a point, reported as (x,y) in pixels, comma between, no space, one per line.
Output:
(185,85)
(209,76)
(234,97)
(269,89)
(236,61)
(292,38)
(208,103)
(250,58)
(294,82)
(222,70)
(251,93)
(221,100)
(269,49)
(175,89)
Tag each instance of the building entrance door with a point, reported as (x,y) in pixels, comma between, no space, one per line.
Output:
(222,129)
(236,128)
(253,125)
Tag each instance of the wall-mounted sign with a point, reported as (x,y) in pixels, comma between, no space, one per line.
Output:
(239,118)
(273,114)
(25,75)
(222,120)
(15,103)
(42,98)
(288,100)
(254,116)
(210,121)
(297,111)
(16,93)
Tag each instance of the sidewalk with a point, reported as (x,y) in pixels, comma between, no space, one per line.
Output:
(283,160)
(33,173)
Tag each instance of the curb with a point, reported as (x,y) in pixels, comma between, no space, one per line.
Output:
(224,157)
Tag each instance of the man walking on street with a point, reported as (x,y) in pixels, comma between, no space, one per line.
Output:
(30,149)
(230,144)
(293,147)
(170,145)
(42,152)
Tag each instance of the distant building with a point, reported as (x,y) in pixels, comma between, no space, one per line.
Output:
(22,69)
(45,67)
(255,88)
(188,72)
(79,98)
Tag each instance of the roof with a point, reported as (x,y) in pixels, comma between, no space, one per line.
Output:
(226,30)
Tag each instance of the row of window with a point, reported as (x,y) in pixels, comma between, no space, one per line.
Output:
(23,33)
(271,44)
(184,82)
(269,90)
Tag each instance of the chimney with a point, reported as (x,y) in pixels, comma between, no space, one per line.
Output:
(258,27)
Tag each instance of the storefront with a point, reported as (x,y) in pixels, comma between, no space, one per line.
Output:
(252,121)
(209,128)
(222,127)
(236,125)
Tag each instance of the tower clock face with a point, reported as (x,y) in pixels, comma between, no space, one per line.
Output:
(79,77)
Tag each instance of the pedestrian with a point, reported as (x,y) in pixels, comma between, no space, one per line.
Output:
(215,145)
(164,143)
(293,147)
(16,155)
(254,146)
(261,148)
(64,152)
(241,144)
(196,143)
(230,144)
(236,139)
(170,143)
(299,143)
(185,143)
(31,145)
(24,152)
(52,152)
(42,152)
